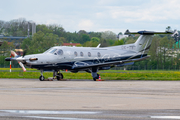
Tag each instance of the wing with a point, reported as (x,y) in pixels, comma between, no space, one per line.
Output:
(85,66)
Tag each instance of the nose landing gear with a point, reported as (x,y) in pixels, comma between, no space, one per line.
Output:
(41,78)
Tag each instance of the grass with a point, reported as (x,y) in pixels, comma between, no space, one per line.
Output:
(17,69)
(107,75)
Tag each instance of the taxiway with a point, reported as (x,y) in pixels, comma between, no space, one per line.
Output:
(86,99)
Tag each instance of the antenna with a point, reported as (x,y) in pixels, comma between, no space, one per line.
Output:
(28,29)
(98,46)
(33,24)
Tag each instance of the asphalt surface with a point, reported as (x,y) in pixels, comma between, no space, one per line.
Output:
(31,99)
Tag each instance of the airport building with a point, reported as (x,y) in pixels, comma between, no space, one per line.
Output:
(18,39)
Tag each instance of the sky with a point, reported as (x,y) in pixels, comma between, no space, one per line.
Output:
(96,15)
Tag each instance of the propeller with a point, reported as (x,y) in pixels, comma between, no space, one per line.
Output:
(21,59)
(18,59)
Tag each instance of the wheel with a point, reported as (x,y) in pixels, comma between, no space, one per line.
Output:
(41,78)
(97,77)
(59,76)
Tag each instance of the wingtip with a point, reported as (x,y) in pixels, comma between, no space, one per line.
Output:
(127,32)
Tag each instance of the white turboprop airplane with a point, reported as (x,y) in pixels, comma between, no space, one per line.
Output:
(89,59)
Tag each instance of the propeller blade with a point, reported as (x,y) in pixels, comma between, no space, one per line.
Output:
(13,53)
(24,69)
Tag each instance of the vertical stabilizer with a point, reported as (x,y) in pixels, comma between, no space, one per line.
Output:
(143,43)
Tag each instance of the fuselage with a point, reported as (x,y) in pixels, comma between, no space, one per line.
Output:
(63,57)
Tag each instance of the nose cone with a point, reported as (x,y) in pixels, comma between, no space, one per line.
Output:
(7,59)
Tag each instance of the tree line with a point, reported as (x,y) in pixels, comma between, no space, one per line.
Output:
(164,53)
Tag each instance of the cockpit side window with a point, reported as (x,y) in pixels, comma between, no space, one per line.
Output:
(52,51)
(60,52)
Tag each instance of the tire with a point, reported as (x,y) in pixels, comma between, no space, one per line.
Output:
(97,77)
(59,76)
(41,78)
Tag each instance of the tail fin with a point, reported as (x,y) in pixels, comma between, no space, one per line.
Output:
(144,41)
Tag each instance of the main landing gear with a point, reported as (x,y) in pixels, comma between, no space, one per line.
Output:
(56,74)
(95,78)
(94,73)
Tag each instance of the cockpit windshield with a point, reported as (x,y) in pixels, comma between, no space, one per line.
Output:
(48,50)
(52,51)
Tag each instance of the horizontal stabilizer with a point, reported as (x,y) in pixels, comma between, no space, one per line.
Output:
(147,32)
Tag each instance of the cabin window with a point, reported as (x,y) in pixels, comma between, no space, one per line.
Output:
(75,54)
(98,54)
(89,54)
(60,52)
(81,53)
